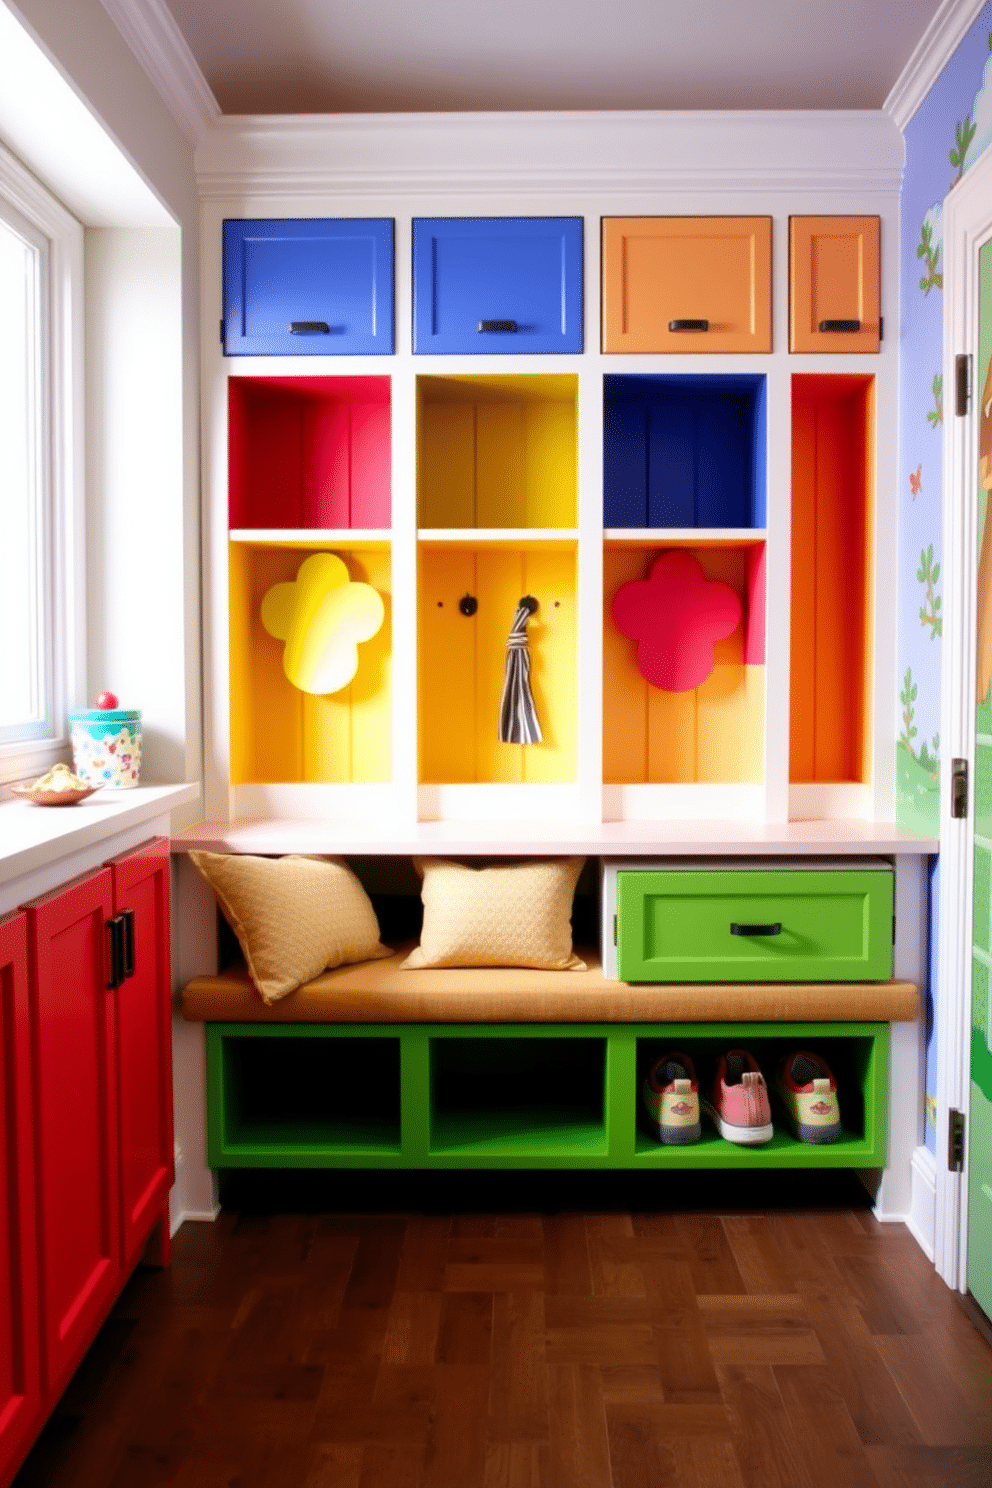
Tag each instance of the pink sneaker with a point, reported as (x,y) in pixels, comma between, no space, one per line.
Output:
(737,1100)
(671,1098)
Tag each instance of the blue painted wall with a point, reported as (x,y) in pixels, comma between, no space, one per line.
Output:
(947,134)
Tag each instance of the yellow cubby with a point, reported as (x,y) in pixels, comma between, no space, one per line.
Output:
(462,660)
(497,452)
(713,733)
(279,734)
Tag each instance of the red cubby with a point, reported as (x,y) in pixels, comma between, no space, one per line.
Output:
(309,452)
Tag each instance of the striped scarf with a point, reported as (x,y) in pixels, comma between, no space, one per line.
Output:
(517,715)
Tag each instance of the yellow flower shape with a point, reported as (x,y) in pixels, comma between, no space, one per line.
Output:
(322,616)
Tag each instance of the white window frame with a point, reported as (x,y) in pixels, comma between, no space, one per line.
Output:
(63,464)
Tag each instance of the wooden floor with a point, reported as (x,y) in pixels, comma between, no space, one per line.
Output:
(532,1331)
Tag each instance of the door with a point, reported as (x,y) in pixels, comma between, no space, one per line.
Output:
(144,1043)
(75,1116)
(979,1199)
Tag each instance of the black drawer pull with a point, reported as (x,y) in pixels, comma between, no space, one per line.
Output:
(310,328)
(736,929)
(688,325)
(840,325)
(497,325)
(127,949)
(116,930)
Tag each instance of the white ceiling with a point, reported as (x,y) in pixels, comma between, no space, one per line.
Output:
(384,56)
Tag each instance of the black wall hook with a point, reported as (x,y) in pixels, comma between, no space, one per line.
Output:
(468,604)
(529,603)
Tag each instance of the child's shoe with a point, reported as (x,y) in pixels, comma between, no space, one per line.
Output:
(738,1102)
(671,1098)
(808,1093)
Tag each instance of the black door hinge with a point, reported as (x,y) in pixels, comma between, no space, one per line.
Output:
(962,383)
(955,1141)
(959,787)
(222,333)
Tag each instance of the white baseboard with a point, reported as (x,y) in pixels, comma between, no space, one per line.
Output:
(206,1216)
(922,1218)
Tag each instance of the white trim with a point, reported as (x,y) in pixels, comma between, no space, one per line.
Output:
(693,155)
(931,55)
(64,459)
(967,224)
(162,50)
(922,1216)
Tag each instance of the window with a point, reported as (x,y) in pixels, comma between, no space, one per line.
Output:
(41,559)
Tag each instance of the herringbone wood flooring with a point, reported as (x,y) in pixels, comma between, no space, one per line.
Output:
(532,1331)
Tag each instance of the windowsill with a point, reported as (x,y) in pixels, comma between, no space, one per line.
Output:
(36,837)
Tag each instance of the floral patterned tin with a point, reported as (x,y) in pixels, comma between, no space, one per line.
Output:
(106,746)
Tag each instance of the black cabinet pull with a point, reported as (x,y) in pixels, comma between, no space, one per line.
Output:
(736,929)
(116,929)
(127,944)
(309,328)
(497,325)
(688,325)
(840,325)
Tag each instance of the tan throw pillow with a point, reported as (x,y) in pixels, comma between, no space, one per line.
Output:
(294,917)
(509,914)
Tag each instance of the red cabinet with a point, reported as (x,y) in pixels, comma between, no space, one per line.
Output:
(143,1046)
(75,1109)
(86,1113)
(20,1381)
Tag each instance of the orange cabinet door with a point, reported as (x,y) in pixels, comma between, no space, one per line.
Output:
(833,277)
(687,284)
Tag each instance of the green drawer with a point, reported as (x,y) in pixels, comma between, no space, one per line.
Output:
(816,925)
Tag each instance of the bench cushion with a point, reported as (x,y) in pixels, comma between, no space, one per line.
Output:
(382,992)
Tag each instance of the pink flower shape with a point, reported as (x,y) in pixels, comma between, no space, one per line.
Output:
(675,616)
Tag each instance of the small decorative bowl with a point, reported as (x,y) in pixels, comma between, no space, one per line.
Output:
(53,797)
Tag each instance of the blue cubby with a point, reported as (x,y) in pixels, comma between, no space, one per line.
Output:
(318,286)
(500,285)
(684,451)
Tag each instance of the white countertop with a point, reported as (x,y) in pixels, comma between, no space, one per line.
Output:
(34,837)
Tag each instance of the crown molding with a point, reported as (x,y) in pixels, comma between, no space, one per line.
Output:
(932,53)
(160,47)
(696,155)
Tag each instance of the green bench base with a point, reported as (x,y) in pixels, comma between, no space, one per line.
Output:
(520,1095)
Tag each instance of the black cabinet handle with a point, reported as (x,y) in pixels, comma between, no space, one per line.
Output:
(309,328)
(736,929)
(688,325)
(127,944)
(497,325)
(116,929)
(840,325)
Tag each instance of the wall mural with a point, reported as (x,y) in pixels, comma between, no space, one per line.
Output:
(946,136)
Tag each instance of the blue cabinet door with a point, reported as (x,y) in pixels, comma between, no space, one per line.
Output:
(497,284)
(308,287)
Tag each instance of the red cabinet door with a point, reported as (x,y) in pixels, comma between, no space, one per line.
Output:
(75,1118)
(20,1383)
(144,1043)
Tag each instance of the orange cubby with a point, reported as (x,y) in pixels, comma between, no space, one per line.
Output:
(309,452)
(833,419)
(713,733)
(497,451)
(462,659)
(280,734)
